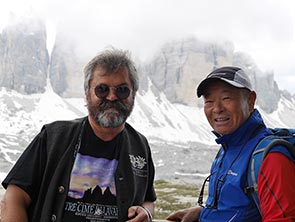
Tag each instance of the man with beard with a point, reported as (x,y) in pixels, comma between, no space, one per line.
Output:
(97,168)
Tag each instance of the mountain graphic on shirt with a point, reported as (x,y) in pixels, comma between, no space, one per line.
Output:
(93,178)
(97,196)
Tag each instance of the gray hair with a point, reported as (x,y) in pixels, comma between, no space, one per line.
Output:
(111,60)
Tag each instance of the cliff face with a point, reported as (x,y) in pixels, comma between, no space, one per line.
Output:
(175,70)
(180,66)
(23,56)
(66,69)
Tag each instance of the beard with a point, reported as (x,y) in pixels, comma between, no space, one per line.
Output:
(110,114)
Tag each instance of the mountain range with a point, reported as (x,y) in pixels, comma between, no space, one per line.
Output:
(38,87)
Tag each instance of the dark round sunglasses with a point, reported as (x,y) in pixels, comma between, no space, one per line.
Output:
(102,91)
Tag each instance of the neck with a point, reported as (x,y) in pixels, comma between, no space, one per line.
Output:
(106,134)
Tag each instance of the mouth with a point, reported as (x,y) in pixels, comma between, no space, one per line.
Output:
(111,111)
(221,119)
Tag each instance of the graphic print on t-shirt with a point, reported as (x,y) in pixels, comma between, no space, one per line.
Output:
(92,192)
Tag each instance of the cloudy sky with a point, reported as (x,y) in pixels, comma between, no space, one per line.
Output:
(264,29)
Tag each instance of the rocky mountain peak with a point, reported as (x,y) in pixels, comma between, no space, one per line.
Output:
(180,65)
(66,69)
(23,56)
(175,70)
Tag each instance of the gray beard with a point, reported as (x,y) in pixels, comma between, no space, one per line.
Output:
(110,114)
(110,119)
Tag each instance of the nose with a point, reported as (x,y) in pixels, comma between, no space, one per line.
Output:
(218,107)
(112,95)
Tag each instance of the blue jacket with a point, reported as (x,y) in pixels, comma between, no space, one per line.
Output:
(227,200)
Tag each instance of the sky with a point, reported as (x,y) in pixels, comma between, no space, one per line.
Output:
(264,29)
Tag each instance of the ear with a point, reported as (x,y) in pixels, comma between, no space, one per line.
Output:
(87,96)
(133,94)
(251,100)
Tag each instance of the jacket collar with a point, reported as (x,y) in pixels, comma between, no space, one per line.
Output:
(243,133)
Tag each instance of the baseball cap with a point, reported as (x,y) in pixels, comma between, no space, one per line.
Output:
(235,76)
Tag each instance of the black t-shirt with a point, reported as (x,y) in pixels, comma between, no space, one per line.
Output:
(92,190)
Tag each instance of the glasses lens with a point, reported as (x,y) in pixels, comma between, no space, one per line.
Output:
(122,92)
(101,91)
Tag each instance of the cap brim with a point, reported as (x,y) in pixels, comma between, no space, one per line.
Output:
(204,84)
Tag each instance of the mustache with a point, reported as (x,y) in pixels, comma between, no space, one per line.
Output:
(117,104)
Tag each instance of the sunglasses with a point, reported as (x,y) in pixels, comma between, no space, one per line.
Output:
(121,92)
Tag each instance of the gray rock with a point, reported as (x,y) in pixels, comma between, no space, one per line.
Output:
(23,56)
(66,69)
(176,69)
(180,66)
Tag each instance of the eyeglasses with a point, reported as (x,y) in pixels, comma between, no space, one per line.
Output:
(103,90)
(201,195)
(216,193)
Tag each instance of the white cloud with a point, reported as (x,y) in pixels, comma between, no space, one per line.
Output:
(265,29)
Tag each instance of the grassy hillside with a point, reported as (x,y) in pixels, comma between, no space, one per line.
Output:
(172,197)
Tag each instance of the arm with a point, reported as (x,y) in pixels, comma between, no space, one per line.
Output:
(150,207)
(141,213)
(276,182)
(14,205)
(186,215)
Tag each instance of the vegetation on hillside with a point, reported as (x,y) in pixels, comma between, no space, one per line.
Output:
(172,197)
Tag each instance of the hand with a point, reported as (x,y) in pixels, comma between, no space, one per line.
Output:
(186,215)
(137,214)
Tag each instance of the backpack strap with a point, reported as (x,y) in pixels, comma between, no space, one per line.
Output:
(282,137)
(276,142)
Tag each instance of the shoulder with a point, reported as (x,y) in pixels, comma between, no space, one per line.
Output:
(134,136)
(64,124)
(277,162)
(60,123)
(131,131)
(63,128)
(276,183)
(276,168)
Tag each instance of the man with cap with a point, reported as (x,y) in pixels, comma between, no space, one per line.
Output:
(229,107)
